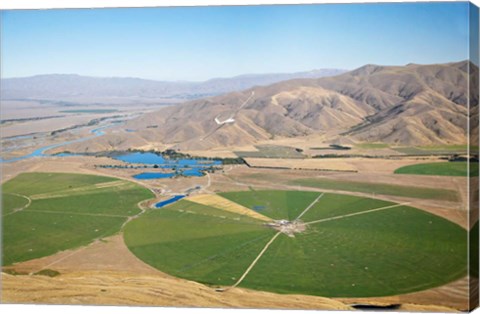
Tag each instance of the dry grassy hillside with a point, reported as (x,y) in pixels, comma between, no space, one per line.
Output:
(403,105)
(430,108)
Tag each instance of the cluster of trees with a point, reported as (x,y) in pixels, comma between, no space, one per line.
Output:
(124,166)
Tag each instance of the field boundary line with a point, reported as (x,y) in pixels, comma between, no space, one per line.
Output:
(256,260)
(189,212)
(224,252)
(91,189)
(74,252)
(73,213)
(21,208)
(310,206)
(355,214)
(143,210)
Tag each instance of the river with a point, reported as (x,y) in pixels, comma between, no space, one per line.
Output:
(41,152)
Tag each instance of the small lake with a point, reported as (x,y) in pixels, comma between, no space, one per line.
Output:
(154,159)
(194,172)
(186,167)
(169,201)
(153,175)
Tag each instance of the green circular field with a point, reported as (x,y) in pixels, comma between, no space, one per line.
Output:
(44,213)
(346,246)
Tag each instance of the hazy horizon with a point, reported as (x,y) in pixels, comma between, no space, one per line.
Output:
(179,81)
(219,77)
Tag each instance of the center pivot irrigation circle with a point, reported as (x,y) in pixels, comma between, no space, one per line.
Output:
(301,242)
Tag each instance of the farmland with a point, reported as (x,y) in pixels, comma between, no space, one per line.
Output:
(274,204)
(474,250)
(372,145)
(364,255)
(434,149)
(12,202)
(271,151)
(64,211)
(198,242)
(351,247)
(377,188)
(458,169)
(330,164)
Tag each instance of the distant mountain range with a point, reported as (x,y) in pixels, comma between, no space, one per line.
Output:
(403,105)
(71,86)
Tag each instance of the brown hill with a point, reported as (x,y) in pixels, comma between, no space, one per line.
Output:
(404,105)
(417,104)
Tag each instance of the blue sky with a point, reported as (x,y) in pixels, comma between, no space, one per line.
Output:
(199,43)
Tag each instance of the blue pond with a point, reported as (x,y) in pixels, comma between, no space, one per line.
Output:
(154,159)
(169,201)
(153,175)
(141,158)
(186,167)
(194,172)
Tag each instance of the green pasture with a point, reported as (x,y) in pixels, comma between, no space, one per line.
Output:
(38,182)
(352,248)
(12,202)
(197,242)
(273,203)
(55,221)
(378,188)
(382,253)
(435,149)
(474,250)
(457,169)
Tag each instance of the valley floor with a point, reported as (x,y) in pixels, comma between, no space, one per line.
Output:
(106,272)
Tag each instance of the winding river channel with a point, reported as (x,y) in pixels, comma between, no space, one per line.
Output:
(41,152)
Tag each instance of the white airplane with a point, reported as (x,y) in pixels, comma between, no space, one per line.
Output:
(229,120)
(221,124)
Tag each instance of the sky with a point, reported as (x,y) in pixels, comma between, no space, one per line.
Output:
(200,43)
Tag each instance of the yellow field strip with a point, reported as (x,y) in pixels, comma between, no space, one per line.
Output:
(79,191)
(110,184)
(227,205)
(355,214)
